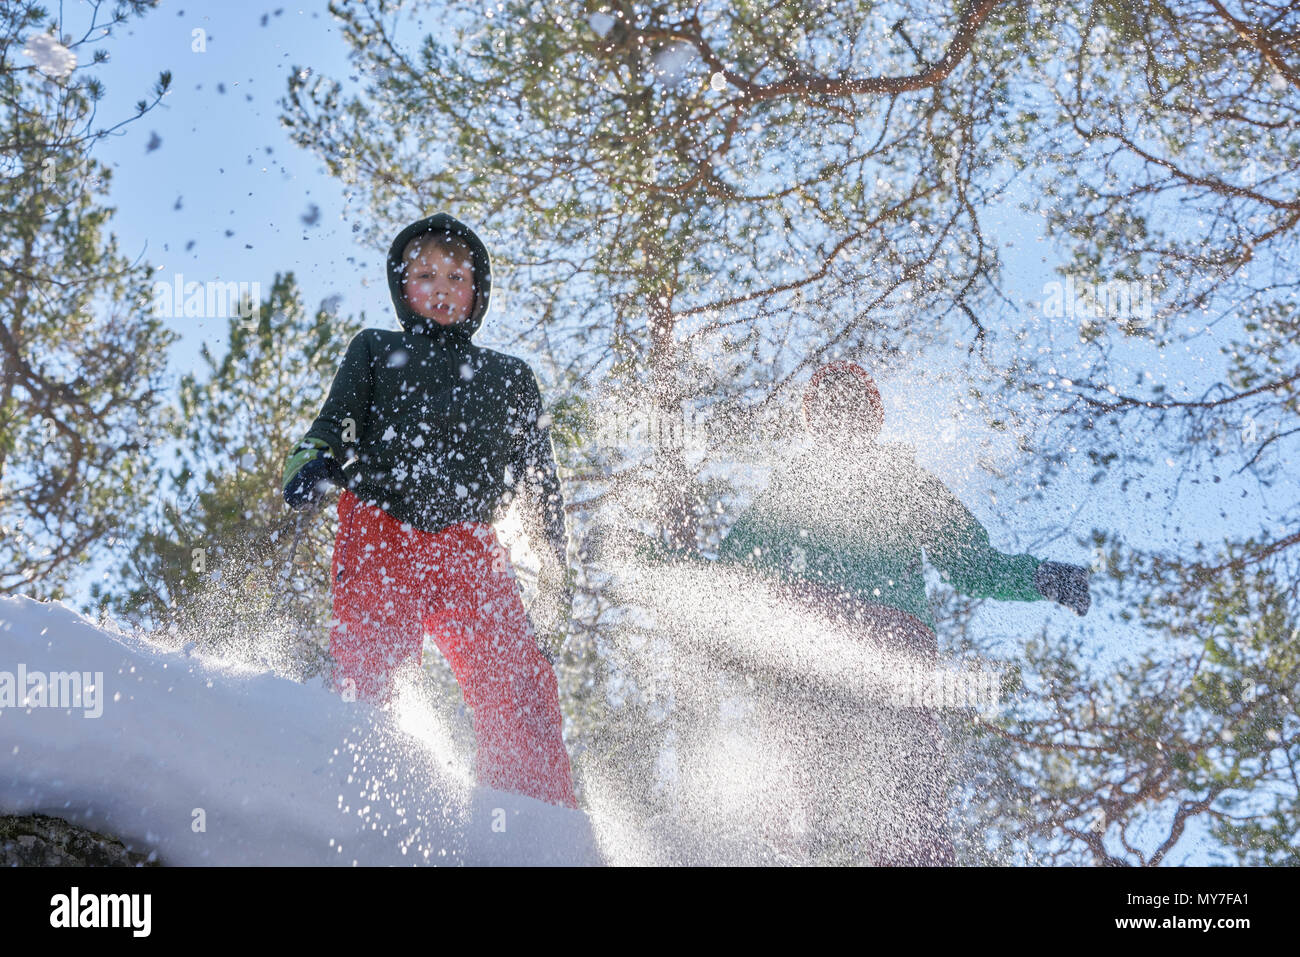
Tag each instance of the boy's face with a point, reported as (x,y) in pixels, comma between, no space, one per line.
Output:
(439,284)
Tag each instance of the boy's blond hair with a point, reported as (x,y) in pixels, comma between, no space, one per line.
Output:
(445,242)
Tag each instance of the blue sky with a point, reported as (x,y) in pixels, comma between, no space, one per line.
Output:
(223,156)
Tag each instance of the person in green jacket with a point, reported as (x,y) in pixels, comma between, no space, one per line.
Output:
(857,516)
(844,531)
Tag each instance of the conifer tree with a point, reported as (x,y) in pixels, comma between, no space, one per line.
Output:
(82,399)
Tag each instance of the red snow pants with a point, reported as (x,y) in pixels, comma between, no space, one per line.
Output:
(393,584)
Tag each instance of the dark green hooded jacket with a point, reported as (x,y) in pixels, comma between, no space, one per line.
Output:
(441,430)
(864,523)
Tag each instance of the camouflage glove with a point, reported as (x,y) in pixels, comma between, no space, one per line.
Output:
(308,473)
(1064,584)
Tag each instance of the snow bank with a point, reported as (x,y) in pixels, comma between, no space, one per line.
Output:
(204,764)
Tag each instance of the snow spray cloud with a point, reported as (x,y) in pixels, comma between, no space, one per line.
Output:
(50,56)
(751,627)
(58,689)
(786,737)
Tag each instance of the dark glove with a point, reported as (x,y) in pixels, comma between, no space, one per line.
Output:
(309,472)
(1064,584)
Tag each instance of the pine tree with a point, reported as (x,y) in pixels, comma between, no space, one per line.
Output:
(82,400)
(1169,179)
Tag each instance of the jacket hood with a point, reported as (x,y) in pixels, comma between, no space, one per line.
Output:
(414,322)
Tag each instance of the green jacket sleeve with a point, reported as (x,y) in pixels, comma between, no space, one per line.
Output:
(760,537)
(762,540)
(748,536)
(958,545)
(346,412)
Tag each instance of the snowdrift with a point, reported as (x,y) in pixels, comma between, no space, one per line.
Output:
(199,763)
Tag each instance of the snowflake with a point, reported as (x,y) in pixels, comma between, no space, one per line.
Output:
(601,23)
(52,57)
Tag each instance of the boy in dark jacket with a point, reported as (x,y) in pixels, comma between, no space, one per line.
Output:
(441,434)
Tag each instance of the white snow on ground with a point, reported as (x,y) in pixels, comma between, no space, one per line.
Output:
(280,773)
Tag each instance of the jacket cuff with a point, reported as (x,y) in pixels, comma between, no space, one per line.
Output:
(306,450)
